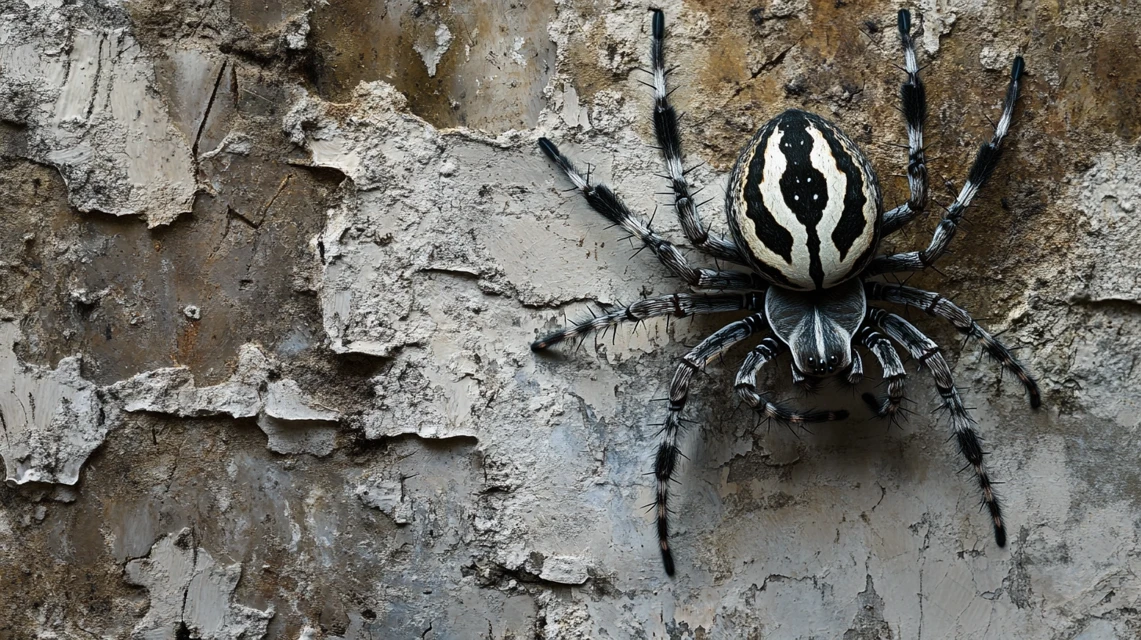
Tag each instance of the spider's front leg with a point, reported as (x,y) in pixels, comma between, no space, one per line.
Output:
(607,203)
(665,462)
(940,307)
(914,98)
(669,139)
(926,352)
(985,162)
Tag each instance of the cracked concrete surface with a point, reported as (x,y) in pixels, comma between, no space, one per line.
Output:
(270,273)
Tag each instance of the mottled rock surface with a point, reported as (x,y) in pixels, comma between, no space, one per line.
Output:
(270,271)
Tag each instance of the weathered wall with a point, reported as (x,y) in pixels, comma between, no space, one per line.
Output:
(269,273)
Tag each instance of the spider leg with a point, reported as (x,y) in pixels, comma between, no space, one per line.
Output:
(893,374)
(678,305)
(914,98)
(856,371)
(985,162)
(665,461)
(927,352)
(940,307)
(746,387)
(669,139)
(607,203)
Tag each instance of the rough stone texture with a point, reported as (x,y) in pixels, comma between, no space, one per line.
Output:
(297,377)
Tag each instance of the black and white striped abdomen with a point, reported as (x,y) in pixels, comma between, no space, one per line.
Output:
(804,203)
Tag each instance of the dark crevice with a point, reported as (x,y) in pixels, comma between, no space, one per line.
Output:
(766,66)
(209,107)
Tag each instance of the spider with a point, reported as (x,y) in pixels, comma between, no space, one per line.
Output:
(806,216)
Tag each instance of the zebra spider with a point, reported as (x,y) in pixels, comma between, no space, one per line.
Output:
(806,216)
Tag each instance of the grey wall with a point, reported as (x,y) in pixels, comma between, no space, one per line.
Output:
(269,273)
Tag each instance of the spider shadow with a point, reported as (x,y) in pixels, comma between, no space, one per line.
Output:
(782,463)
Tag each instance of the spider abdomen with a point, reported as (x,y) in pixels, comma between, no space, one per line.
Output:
(805,203)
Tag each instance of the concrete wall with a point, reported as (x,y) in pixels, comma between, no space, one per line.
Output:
(269,273)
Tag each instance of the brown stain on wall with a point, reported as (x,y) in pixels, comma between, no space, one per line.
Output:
(491,76)
(590,46)
(242,278)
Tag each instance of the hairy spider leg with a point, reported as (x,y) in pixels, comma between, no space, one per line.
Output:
(924,350)
(914,98)
(890,405)
(665,462)
(936,305)
(856,371)
(669,139)
(607,203)
(985,162)
(678,305)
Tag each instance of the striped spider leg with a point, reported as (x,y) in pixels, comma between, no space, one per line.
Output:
(606,202)
(914,98)
(928,354)
(669,139)
(986,160)
(936,305)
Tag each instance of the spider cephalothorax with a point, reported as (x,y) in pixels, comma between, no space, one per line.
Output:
(806,216)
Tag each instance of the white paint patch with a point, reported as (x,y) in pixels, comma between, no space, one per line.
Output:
(187,586)
(432,49)
(52,419)
(516,48)
(88,101)
(1109,197)
(574,114)
(565,569)
(293,422)
(386,495)
(172,390)
(296,31)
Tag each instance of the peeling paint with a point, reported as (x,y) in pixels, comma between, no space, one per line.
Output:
(85,96)
(51,419)
(192,594)
(293,422)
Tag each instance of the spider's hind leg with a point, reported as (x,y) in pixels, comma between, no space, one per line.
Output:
(927,352)
(665,462)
